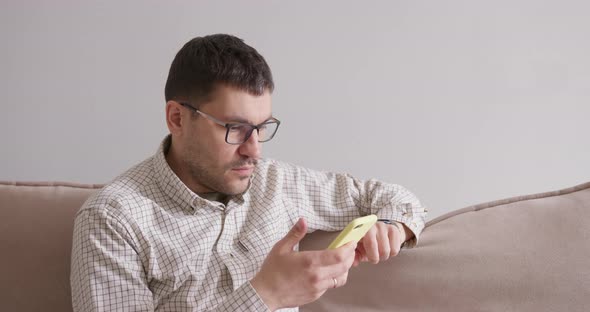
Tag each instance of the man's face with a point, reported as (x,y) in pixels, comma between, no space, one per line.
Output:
(212,163)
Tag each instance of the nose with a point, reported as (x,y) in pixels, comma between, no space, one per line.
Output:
(251,147)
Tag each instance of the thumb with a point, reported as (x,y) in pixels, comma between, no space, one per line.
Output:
(294,236)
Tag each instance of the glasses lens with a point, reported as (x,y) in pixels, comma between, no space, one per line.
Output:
(238,134)
(267,131)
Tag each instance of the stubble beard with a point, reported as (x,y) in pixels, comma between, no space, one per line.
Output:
(203,172)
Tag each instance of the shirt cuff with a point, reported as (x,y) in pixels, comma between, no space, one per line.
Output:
(417,230)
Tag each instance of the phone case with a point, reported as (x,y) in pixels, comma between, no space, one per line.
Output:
(354,231)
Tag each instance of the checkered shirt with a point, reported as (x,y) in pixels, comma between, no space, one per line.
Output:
(145,242)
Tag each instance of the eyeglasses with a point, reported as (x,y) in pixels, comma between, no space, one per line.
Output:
(238,133)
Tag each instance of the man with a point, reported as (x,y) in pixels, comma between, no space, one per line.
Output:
(206,224)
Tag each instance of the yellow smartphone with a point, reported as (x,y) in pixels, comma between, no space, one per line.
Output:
(354,231)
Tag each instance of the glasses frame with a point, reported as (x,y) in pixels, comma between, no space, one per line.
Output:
(229,125)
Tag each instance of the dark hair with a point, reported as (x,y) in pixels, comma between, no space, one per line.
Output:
(204,62)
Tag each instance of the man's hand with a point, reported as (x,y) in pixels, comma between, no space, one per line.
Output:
(381,242)
(290,279)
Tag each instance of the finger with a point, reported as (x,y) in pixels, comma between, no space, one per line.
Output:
(292,238)
(349,253)
(335,281)
(362,253)
(383,242)
(344,261)
(341,280)
(349,246)
(322,278)
(371,247)
(358,256)
(393,233)
(338,255)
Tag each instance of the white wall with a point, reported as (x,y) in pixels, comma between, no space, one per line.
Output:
(461,101)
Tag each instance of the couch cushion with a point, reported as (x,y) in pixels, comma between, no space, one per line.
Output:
(528,253)
(36,222)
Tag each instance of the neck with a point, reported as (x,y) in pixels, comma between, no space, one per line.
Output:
(174,160)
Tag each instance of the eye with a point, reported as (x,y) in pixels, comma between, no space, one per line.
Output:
(239,128)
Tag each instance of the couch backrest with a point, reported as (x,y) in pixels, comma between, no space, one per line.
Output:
(36,223)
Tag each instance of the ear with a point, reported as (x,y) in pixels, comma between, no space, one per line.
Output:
(175,117)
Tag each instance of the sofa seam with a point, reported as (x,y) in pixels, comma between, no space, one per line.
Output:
(508,200)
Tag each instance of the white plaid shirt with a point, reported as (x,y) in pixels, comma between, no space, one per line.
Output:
(146,242)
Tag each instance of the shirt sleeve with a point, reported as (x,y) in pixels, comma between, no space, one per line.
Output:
(107,273)
(330,200)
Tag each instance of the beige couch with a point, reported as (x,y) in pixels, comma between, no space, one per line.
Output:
(529,253)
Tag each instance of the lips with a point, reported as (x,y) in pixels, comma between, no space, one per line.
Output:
(243,170)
